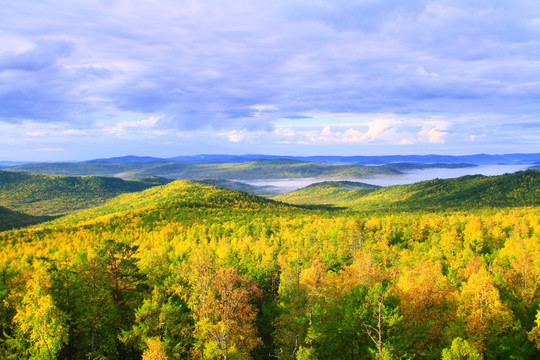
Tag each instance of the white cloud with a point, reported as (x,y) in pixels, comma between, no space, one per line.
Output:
(234,136)
(476,137)
(436,136)
(352,135)
(377,129)
(382,130)
(405,142)
(421,71)
(263,108)
(434,132)
(127,127)
(35,133)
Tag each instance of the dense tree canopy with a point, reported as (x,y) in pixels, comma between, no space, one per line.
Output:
(188,270)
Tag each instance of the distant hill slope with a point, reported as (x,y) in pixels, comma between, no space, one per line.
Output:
(177,194)
(85,169)
(327,193)
(127,159)
(247,170)
(517,189)
(12,219)
(10,163)
(37,194)
(257,169)
(264,190)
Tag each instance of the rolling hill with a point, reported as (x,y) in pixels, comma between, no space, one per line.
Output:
(38,195)
(245,170)
(177,194)
(185,251)
(517,189)
(327,193)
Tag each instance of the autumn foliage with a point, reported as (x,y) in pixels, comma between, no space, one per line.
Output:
(196,272)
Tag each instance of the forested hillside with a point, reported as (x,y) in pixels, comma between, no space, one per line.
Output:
(256,169)
(181,194)
(467,192)
(13,219)
(190,271)
(37,194)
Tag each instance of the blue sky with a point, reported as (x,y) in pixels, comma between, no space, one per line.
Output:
(89,79)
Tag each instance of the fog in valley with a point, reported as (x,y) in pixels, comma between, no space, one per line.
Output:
(410,177)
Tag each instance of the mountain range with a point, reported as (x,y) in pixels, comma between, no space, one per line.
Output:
(246,170)
(476,159)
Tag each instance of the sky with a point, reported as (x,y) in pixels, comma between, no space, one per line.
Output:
(90,79)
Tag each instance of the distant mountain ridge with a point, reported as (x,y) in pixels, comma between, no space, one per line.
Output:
(243,167)
(4,164)
(256,169)
(126,159)
(476,159)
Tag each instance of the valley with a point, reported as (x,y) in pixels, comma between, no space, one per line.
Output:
(269,180)
(306,273)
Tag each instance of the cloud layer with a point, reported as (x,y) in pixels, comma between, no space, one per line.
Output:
(446,74)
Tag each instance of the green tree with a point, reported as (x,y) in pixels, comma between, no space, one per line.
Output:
(534,334)
(384,317)
(293,322)
(127,285)
(164,316)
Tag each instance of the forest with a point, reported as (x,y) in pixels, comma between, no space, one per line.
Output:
(466,192)
(251,169)
(444,269)
(50,195)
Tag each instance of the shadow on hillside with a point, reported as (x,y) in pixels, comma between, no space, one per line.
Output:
(322,207)
(15,225)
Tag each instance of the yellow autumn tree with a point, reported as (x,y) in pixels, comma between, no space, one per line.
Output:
(426,302)
(519,265)
(225,317)
(155,350)
(482,310)
(313,280)
(40,320)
